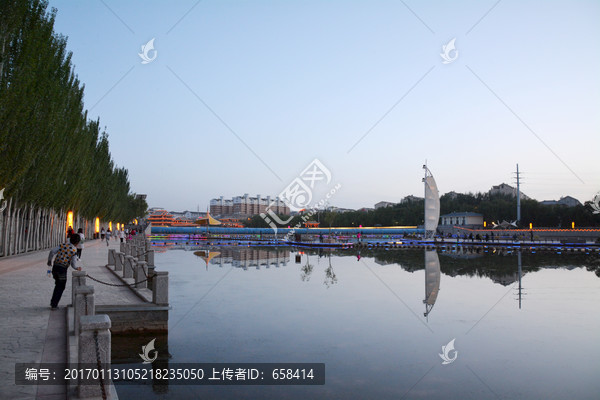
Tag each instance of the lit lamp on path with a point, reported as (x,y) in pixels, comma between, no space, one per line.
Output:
(69,220)
(97,227)
(573,225)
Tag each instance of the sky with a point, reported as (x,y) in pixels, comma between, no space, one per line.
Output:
(241,96)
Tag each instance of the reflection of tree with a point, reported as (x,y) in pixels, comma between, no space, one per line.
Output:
(593,265)
(306,271)
(495,264)
(330,278)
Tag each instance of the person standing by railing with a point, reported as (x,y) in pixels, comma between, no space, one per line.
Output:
(66,254)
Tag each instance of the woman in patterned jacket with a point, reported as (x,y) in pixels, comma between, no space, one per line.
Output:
(66,254)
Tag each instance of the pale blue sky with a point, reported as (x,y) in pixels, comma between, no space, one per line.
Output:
(298,80)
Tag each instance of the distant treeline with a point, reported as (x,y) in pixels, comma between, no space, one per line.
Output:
(493,207)
(53,157)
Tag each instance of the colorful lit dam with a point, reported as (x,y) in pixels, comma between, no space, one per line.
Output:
(387,323)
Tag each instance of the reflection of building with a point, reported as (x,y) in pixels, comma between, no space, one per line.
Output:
(505,279)
(245,257)
(245,205)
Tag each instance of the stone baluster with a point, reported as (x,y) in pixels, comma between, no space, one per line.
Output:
(111,256)
(160,288)
(140,275)
(150,258)
(84,305)
(129,267)
(94,347)
(77,279)
(119,259)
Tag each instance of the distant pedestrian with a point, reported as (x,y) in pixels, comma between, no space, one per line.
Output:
(102,233)
(122,235)
(108,233)
(69,232)
(80,245)
(66,254)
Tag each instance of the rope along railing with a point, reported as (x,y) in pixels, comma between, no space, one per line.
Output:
(117,284)
(99,365)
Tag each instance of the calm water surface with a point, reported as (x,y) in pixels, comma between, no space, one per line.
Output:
(364,318)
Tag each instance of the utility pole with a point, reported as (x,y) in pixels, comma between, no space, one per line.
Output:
(518,196)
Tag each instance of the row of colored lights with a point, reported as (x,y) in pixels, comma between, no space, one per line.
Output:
(531,228)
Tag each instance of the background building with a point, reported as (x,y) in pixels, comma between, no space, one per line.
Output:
(246,206)
(470,219)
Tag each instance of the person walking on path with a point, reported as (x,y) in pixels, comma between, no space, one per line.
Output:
(102,234)
(122,235)
(108,233)
(80,245)
(66,254)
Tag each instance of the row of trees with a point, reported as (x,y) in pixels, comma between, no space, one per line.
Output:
(53,157)
(493,207)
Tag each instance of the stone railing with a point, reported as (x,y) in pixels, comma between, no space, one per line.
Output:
(134,263)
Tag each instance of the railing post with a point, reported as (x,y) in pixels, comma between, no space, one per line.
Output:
(150,258)
(122,246)
(141,252)
(140,275)
(150,276)
(160,288)
(84,305)
(94,349)
(119,258)
(111,256)
(77,279)
(129,267)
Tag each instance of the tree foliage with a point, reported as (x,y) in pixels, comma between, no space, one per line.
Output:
(52,155)
(493,207)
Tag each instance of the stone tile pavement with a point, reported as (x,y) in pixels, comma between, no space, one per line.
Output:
(25,291)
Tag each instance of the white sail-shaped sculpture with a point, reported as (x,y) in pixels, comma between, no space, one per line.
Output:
(432,204)
(432,279)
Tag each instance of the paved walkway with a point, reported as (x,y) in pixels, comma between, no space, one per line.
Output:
(28,328)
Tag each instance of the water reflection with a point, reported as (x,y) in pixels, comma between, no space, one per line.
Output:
(330,277)
(245,257)
(432,279)
(329,317)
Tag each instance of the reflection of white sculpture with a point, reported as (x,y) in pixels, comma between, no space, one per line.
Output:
(432,204)
(432,279)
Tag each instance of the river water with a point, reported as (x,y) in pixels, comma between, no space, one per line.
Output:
(524,326)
